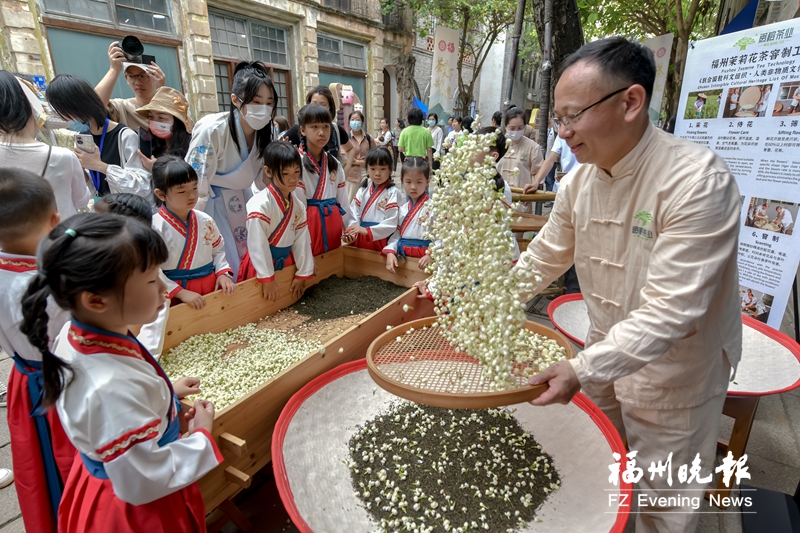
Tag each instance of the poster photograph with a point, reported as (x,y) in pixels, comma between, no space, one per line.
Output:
(788,103)
(755,304)
(747,101)
(738,99)
(703,104)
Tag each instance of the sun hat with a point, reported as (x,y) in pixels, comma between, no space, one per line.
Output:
(702,95)
(168,100)
(126,66)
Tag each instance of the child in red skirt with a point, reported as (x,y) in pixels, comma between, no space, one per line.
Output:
(376,204)
(196,264)
(41,453)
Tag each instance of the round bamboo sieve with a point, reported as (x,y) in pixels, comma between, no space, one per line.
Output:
(424,368)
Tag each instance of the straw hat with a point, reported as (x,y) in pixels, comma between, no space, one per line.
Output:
(702,95)
(168,100)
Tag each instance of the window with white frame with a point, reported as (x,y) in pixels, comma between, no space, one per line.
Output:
(335,52)
(143,14)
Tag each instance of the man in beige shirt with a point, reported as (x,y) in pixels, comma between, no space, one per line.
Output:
(144,81)
(651,222)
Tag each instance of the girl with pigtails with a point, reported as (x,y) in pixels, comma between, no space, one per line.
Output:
(322,188)
(227,152)
(133,471)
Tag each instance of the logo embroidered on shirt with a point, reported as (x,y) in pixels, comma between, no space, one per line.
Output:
(644,218)
(208,232)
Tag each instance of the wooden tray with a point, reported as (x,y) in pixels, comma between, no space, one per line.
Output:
(527,222)
(243,430)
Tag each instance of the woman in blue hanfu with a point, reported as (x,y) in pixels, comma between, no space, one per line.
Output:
(227,152)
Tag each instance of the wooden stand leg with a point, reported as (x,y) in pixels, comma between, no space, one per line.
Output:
(227,512)
(743,410)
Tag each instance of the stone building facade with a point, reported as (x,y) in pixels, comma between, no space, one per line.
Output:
(198,42)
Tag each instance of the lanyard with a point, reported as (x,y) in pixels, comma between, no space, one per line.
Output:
(93,173)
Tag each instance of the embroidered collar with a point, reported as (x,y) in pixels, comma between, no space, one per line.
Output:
(322,170)
(17,263)
(413,211)
(174,220)
(89,340)
(283,203)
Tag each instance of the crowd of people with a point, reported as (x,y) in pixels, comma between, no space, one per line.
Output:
(182,209)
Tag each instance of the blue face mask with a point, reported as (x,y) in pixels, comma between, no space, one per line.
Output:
(431,122)
(80,127)
(355,125)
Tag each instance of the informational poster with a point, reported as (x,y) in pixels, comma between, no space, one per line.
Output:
(661,47)
(741,98)
(444,74)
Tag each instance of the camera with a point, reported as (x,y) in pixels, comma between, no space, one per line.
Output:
(133,49)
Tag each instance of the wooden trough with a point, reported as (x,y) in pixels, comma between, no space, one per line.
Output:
(243,430)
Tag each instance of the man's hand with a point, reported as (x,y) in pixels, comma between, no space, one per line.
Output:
(530,188)
(155,72)
(115,57)
(563,384)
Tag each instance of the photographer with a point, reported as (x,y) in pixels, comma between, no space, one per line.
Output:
(143,79)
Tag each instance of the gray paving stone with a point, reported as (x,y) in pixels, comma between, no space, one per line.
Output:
(772,435)
(5,437)
(15,526)
(9,508)
(770,474)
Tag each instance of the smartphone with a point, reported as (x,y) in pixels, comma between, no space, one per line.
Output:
(85,142)
(145,139)
(146,59)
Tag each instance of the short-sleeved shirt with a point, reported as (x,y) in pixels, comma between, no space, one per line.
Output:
(415,141)
(123,110)
(568,160)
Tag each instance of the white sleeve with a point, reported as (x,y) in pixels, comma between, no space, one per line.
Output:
(202,156)
(148,472)
(355,205)
(221,265)
(388,225)
(259,228)
(391,246)
(131,177)
(152,335)
(80,191)
(301,248)
(341,196)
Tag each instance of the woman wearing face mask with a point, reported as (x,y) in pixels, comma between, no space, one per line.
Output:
(355,170)
(114,165)
(170,127)
(21,114)
(438,137)
(523,158)
(227,151)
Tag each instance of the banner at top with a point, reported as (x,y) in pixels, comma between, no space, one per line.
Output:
(444,74)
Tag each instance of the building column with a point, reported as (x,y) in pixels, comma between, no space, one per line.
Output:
(309,54)
(21,42)
(375,88)
(198,67)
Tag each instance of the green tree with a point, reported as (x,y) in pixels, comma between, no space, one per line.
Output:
(480,23)
(688,20)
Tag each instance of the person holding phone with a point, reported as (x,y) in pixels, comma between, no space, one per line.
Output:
(169,130)
(21,114)
(114,164)
(143,79)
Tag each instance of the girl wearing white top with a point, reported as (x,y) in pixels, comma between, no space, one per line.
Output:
(21,114)
(114,165)
(227,152)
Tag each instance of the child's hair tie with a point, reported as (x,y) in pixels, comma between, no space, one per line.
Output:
(71,232)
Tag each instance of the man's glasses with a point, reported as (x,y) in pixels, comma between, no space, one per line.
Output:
(137,77)
(566,120)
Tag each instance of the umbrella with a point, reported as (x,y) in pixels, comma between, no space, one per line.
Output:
(419,104)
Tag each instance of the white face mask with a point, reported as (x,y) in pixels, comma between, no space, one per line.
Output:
(257,115)
(162,130)
(514,135)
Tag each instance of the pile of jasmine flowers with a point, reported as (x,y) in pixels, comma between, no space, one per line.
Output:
(424,469)
(226,375)
(476,294)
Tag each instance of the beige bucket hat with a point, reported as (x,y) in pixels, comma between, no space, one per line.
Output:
(168,100)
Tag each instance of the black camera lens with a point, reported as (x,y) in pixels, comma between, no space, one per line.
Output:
(132,48)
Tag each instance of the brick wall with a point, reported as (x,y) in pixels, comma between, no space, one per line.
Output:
(20,39)
(198,63)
